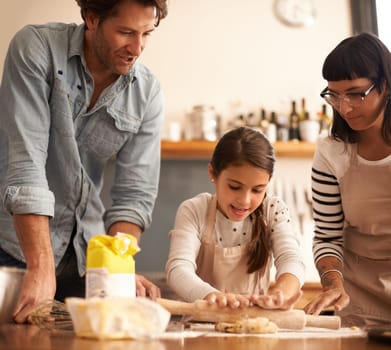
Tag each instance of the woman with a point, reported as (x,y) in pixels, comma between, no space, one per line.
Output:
(351,182)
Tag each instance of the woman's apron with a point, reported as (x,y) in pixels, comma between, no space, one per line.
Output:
(225,268)
(366,200)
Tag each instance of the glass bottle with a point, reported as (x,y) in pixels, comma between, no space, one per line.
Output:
(294,123)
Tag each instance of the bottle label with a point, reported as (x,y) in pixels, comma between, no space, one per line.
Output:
(102,284)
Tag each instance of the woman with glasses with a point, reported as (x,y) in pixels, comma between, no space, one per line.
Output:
(351,185)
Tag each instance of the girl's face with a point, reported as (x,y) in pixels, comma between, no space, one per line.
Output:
(369,114)
(240,190)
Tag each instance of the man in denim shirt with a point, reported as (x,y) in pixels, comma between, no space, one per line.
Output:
(72,98)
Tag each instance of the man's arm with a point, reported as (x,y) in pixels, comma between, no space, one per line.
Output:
(39,283)
(125,227)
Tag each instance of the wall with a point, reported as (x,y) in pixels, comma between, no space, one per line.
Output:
(220,52)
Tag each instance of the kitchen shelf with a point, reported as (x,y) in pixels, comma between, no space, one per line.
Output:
(200,149)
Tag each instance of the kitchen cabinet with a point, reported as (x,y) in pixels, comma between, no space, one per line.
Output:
(199,149)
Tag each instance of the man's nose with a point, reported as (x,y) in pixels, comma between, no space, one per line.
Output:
(136,45)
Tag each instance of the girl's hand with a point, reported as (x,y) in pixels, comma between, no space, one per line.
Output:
(275,300)
(227,299)
(336,297)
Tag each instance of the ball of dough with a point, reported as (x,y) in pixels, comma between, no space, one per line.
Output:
(257,325)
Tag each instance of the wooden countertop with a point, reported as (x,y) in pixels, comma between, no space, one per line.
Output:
(204,149)
(17,337)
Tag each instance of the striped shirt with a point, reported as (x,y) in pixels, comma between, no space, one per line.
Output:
(330,163)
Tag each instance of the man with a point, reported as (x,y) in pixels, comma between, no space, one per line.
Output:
(73,97)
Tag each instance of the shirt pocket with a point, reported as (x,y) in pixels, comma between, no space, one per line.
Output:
(61,110)
(105,133)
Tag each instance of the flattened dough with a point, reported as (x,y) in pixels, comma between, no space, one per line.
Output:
(257,325)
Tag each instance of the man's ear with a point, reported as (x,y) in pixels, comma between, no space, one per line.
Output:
(91,20)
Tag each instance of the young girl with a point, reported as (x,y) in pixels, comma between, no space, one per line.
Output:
(222,245)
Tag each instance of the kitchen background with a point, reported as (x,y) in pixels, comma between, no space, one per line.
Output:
(235,56)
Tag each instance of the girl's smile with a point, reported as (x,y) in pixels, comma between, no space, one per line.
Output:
(240,189)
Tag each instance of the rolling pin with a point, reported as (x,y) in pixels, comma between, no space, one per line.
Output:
(200,310)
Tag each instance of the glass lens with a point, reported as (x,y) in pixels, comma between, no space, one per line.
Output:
(354,100)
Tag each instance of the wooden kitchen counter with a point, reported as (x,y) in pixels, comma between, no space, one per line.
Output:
(25,337)
(204,149)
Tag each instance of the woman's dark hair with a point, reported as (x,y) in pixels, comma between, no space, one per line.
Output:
(107,8)
(248,146)
(360,56)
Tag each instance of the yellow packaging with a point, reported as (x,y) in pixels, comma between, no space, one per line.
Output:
(110,270)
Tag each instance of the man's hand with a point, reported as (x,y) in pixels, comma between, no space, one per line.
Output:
(39,282)
(37,286)
(145,288)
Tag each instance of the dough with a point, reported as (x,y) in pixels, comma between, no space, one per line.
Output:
(260,325)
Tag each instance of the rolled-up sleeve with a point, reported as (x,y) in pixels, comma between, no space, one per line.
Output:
(25,119)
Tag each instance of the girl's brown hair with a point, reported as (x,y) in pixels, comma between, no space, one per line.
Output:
(237,147)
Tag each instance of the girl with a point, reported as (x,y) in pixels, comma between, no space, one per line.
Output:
(351,183)
(222,245)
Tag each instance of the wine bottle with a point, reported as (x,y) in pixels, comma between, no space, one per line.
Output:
(325,121)
(263,122)
(294,123)
(303,110)
(271,129)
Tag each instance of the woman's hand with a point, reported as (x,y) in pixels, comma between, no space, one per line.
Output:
(333,293)
(335,296)
(227,299)
(145,288)
(275,300)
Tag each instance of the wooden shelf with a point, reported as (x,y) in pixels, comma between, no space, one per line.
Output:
(204,149)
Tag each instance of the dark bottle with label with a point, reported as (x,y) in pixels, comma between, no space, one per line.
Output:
(303,110)
(294,121)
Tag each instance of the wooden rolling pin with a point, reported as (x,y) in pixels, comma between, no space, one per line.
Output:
(200,310)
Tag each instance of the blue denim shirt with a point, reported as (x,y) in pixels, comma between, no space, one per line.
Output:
(53,151)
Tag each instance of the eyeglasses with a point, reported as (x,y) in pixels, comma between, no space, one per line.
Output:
(353,99)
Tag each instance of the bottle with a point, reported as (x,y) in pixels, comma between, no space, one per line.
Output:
(271,129)
(250,121)
(294,123)
(303,110)
(325,121)
(282,128)
(263,122)
(309,129)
